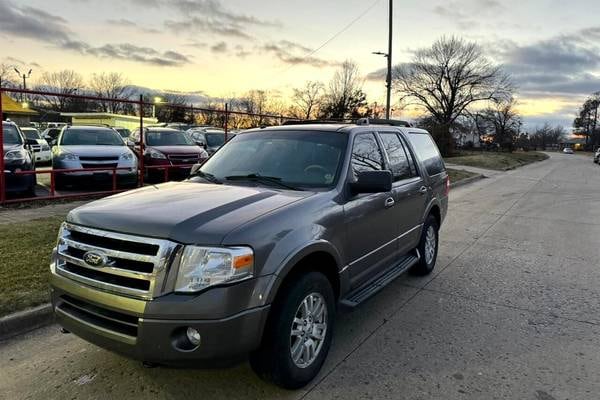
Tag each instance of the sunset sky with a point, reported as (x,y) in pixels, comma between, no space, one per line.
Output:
(224,48)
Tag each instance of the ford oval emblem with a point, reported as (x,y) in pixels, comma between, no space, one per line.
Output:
(95,259)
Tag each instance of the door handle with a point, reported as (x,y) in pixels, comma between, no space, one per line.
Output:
(423,190)
(389,202)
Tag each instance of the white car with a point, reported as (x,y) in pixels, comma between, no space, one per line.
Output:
(42,152)
(568,150)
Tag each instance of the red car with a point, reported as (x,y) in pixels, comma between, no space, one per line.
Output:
(167,147)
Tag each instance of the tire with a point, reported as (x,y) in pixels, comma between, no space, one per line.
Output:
(273,361)
(428,256)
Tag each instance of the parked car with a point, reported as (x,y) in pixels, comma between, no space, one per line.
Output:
(253,254)
(168,147)
(50,135)
(41,150)
(124,132)
(83,147)
(597,156)
(18,156)
(210,139)
(568,150)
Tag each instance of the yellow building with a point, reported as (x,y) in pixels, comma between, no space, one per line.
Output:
(130,122)
(16,112)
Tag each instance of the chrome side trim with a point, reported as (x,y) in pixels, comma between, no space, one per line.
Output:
(381,247)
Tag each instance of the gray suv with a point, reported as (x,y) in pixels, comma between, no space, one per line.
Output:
(254,254)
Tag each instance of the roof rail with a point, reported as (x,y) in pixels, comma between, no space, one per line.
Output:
(99,125)
(359,121)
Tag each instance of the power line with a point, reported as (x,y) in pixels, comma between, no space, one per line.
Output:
(336,35)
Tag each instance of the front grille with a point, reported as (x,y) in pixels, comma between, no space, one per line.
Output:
(36,148)
(103,165)
(115,159)
(99,317)
(184,158)
(135,266)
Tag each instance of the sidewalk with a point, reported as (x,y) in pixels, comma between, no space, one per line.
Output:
(13,215)
(482,171)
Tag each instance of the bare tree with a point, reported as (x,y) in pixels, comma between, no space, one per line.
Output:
(6,72)
(446,79)
(344,97)
(63,82)
(506,122)
(111,85)
(586,121)
(547,135)
(308,99)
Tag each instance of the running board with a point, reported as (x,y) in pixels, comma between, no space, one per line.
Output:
(373,286)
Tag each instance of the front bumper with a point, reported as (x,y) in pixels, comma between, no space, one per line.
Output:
(18,182)
(133,328)
(43,156)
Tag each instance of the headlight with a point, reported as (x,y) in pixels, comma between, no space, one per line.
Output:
(45,147)
(16,155)
(126,156)
(201,267)
(156,154)
(68,157)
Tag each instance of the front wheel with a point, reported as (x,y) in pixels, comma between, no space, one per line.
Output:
(428,247)
(298,333)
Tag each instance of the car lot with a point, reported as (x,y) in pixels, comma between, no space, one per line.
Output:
(511,312)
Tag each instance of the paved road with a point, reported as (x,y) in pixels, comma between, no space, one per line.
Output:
(513,311)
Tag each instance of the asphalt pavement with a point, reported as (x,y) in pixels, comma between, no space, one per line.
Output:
(511,312)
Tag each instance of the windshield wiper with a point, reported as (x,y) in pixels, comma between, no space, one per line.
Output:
(209,177)
(256,177)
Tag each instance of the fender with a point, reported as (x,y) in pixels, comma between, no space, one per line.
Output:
(296,256)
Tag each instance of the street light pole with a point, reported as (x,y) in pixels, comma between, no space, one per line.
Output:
(389,60)
(25,77)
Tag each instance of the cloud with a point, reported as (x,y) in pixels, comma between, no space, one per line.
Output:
(467,13)
(220,48)
(32,23)
(295,54)
(565,64)
(127,23)
(210,16)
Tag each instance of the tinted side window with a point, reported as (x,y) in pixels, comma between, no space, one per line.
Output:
(398,161)
(428,152)
(366,155)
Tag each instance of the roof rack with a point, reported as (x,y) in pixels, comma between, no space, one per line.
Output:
(99,125)
(359,121)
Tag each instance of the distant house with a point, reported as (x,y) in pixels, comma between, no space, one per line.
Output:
(463,139)
(574,142)
(16,112)
(125,121)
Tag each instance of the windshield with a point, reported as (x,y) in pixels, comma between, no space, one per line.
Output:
(124,132)
(168,138)
(301,159)
(215,139)
(31,133)
(91,137)
(11,135)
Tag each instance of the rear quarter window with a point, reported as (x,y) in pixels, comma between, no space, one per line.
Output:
(427,151)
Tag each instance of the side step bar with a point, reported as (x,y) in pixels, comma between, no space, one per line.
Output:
(373,286)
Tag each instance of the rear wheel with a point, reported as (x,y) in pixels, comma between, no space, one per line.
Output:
(428,247)
(298,334)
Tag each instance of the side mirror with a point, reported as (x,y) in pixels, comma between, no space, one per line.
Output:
(372,182)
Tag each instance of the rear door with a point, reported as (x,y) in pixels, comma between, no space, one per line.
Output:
(409,190)
(370,223)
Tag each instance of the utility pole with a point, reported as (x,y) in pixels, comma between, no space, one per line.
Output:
(389,60)
(25,77)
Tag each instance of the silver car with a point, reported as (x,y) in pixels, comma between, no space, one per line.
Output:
(93,147)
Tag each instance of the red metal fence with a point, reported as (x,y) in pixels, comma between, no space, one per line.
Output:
(141,108)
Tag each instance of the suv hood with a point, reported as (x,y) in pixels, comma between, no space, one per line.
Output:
(186,212)
(169,150)
(94,151)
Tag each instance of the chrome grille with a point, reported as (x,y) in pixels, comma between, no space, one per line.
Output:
(184,158)
(131,265)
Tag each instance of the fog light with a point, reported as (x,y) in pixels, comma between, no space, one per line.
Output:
(193,336)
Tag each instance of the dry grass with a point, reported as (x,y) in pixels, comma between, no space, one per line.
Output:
(497,161)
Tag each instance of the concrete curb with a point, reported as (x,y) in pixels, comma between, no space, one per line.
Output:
(25,321)
(466,181)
